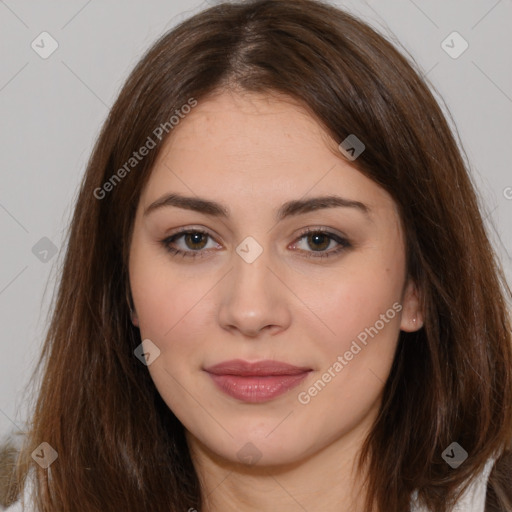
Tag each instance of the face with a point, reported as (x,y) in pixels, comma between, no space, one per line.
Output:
(267,273)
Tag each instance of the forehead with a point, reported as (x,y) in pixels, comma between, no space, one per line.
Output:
(250,123)
(262,149)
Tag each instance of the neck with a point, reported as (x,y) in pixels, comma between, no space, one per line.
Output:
(326,480)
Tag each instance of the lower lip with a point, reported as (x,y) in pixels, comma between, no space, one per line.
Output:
(257,389)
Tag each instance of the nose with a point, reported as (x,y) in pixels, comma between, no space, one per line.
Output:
(254,299)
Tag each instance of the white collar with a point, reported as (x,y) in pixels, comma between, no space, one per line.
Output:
(473,499)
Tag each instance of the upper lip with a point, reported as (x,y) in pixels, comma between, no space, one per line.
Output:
(258,368)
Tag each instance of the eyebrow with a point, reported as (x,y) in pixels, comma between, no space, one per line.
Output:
(288,209)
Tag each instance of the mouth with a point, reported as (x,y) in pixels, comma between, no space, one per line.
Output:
(256,382)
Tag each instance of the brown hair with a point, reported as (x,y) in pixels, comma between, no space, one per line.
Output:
(119,446)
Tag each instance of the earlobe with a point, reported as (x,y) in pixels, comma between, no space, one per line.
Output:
(134,317)
(412,315)
(133,314)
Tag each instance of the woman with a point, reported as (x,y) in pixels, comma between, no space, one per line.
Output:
(278,293)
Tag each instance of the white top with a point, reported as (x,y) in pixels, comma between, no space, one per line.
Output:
(473,500)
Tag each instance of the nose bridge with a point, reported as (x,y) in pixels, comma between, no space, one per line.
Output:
(252,297)
(251,262)
(250,275)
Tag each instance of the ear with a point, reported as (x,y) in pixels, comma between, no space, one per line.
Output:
(135,318)
(412,315)
(131,307)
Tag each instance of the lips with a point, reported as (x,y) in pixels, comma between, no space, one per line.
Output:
(259,368)
(256,382)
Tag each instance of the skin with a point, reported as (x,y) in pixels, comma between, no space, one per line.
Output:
(252,153)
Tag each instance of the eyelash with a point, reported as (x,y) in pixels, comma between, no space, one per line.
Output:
(344,243)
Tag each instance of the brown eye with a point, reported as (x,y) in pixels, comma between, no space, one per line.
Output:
(195,240)
(190,243)
(318,241)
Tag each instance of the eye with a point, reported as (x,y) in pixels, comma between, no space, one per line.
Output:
(195,241)
(320,240)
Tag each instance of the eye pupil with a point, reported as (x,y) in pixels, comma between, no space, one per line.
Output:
(195,239)
(319,238)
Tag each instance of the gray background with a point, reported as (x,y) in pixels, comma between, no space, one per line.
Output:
(52,110)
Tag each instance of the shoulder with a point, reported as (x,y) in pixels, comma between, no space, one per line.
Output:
(16,507)
(10,445)
(26,494)
(499,490)
(473,499)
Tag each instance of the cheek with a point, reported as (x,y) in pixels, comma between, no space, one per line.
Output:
(172,308)
(355,361)
(166,307)
(156,302)
(355,301)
